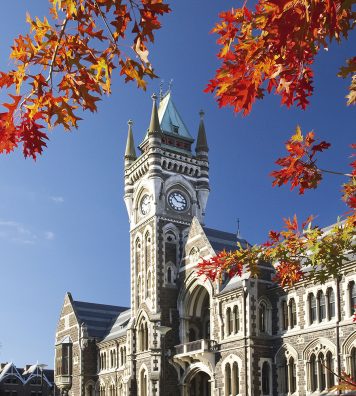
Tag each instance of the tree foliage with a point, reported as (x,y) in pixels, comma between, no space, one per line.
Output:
(66,64)
(272,49)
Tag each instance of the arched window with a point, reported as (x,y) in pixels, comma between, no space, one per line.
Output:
(149,285)
(321,370)
(312,308)
(292,375)
(171,248)
(331,303)
(352,293)
(285,314)
(143,336)
(330,369)
(265,379)
(138,255)
(235,379)
(292,313)
(353,363)
(262,316)
(139,291)
(313,373)
(121,356)
(228,321)
(146,336)
(236,319)
(192,335)
(147,251)
(321,306)
(120,389)
(283,380)
(89,391)
(143,383)
(169,275)
(228,379)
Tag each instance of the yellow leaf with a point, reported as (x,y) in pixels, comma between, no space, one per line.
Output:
(298,137)
(102,71)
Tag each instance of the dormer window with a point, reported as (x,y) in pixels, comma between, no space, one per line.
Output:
(175,129)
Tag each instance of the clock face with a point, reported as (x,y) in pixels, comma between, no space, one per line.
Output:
(177,201)
(145,204)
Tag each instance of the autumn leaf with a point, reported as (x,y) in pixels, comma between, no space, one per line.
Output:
(59,68)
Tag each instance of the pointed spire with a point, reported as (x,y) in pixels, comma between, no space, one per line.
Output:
(154,127)
(202,144)
(130,152)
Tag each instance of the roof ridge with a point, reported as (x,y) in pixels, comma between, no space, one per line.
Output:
(100,304)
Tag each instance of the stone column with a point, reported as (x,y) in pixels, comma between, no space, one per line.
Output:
(308,383)
(318,370)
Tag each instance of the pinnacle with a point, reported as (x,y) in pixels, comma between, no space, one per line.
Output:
(202,143)
(154,127)
(130,152)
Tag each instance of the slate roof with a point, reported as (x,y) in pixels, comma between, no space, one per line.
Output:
(119,328)
(9,370)
(170,120)
(98,318)
(24,375)
(221,240)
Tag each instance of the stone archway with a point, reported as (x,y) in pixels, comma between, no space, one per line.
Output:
(199,385)
(197,381)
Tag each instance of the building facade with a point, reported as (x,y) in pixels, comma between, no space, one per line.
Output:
(184,335)
(33,380)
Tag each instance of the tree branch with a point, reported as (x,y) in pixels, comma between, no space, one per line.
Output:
(336,173)
(50,73)
(103,17)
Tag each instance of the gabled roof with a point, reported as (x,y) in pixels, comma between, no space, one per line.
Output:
(98,318)
(170,120)
(222,240)
(35,371)
(10,370)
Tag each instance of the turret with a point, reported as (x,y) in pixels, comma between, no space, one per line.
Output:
(202,150)
(130,152)
(154,130)
(130,158)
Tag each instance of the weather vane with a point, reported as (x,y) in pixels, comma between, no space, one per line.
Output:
(170,85)
(161,90)
(238,228)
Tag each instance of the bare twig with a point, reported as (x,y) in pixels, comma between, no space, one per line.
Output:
(50,73)
(336,173)
(103,17)
(336,375)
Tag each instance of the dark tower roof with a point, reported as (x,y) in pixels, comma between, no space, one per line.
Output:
(154,127)
(202,143)
(130,152)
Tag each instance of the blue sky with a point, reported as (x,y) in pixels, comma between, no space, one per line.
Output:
(63,223)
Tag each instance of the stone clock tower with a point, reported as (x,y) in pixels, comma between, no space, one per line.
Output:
(165,187)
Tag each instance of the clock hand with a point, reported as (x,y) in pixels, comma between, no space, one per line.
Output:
(179,199)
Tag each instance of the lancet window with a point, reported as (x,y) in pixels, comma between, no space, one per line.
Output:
(232,379)
(321,368)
